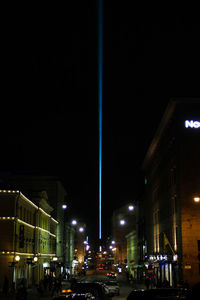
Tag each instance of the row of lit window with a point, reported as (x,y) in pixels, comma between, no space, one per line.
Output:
(35,256)
(30,202)
(37,227)
(29,225)
(27,254)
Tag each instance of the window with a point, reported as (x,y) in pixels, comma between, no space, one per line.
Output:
(20,212)
(24,214)
(174,222)
(198,245)
(173,176)
(156,231)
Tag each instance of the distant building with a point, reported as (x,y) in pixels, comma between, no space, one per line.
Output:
(170,210)
(123,222)
(80,247)
(27,237)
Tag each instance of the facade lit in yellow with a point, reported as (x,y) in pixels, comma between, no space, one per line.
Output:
(27,237)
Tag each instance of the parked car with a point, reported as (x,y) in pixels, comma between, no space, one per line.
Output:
(112,288)
(158,294)
(75,296)
(94,288)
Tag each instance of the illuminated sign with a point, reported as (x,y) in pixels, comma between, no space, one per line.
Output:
(192,124)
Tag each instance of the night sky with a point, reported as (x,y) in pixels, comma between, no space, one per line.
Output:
(49,94)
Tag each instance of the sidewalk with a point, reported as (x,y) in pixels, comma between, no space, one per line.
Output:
(33,294)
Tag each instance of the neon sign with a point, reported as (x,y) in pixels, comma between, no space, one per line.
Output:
(192,124)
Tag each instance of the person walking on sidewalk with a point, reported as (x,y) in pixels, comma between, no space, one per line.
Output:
(147,283)
(5,286)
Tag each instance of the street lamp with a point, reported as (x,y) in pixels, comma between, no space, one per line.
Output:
(131,207)
(122,222)
(196,199)
(17,258)
(74,222)
(64,208)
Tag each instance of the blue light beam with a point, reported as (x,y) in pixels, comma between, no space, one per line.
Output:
(100,96)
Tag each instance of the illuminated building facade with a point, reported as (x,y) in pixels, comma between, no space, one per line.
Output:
(27,237)
(169,225)
(132,254)
(57,196)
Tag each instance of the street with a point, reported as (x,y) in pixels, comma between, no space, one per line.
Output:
(125,287)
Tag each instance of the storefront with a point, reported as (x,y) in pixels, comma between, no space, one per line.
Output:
(162,269)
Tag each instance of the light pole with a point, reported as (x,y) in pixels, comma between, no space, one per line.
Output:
(64,208)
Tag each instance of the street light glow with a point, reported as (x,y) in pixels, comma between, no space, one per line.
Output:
(131,207)
(17,258)
(122,222)
(74,222)
(64,206)
(196,199)
(81,229)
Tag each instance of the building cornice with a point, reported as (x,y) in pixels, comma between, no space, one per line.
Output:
(163,124)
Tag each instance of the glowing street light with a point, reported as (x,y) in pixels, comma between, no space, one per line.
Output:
(64,206)
(196,199)
(74,222)
(17,258)
(81,229)
(122,222)
(131,207)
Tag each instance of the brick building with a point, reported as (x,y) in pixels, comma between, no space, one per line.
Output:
(169,216)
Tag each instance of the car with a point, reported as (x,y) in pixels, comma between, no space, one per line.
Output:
(112,288)
(94,288)
(75,296)
(111,275)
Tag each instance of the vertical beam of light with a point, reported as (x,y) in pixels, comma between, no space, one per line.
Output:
(100,94)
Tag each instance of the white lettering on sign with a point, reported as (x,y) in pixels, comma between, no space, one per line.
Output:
(192,124)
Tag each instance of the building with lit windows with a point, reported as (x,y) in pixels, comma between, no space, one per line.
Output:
(58,199)
(169,224)
(27,237)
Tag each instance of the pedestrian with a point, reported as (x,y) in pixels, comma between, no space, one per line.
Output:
(59,285)
(147,283)
(68,276)
(5,286)
(21,292)
(41,288)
